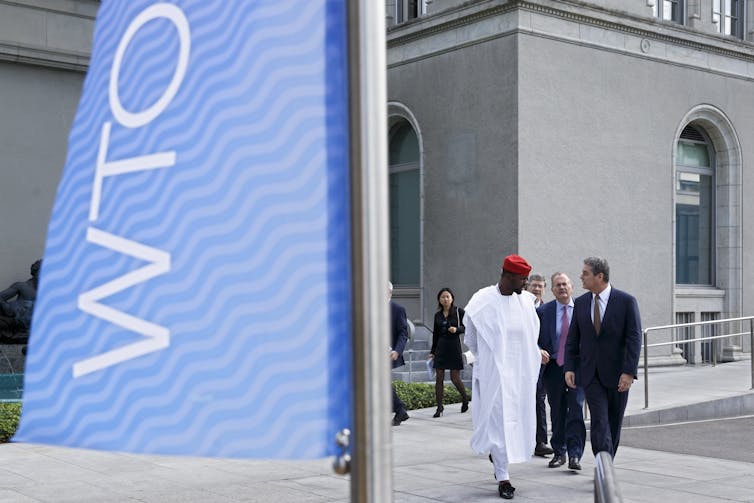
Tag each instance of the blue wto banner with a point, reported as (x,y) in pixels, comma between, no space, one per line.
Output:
(195,293)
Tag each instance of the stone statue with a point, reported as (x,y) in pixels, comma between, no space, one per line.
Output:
(16,307)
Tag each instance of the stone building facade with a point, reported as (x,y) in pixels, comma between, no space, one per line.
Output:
(556,129)
(44,53)
(564,129)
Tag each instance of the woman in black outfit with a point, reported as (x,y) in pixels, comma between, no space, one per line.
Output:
(446,347)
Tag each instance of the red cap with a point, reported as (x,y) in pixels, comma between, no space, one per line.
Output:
(517,265)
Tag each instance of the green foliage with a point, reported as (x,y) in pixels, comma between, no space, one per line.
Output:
(420,395)
(10,414)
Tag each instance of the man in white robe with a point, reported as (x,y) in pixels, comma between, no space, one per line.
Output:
(502,327)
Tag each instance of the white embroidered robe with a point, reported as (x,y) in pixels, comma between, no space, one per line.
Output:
(502,331)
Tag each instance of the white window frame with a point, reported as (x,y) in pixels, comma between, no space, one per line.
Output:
(402,13)
(658,7)
(718,16)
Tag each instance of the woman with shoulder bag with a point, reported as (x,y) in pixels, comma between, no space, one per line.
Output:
(446,348)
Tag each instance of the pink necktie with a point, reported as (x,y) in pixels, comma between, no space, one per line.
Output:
(563,336)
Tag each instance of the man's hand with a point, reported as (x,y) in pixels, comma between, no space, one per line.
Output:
(625,382)
(570,379)
(394,355)
(545,356)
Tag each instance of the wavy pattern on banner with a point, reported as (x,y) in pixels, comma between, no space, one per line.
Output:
(246,214)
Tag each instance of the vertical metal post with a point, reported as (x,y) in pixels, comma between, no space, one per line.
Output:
(751,350)
(371,468)
(410,364)
(646,371)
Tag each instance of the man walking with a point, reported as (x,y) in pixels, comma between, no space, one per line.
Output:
(566,404)
(536,285)
(604,341)
(398,340)
(501,331)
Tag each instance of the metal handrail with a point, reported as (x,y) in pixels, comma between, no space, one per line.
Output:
(645,334)
(605,483)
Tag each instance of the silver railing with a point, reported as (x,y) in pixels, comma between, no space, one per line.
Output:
(645,334)
(605,484)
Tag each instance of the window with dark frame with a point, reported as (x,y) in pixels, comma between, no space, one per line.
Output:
(694,209)
(405,209)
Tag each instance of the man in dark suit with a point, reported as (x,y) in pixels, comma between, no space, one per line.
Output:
(398,340)
(605,341)
(566,404)
(536,285)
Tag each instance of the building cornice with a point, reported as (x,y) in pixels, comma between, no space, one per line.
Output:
(425,27)
(86,9)
(38,56)
(647,28)
(50,33)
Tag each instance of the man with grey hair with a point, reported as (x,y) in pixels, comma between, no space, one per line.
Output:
(536,284)
(604,341)
(566,404)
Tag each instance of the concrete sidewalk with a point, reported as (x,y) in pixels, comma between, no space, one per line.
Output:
(432,462)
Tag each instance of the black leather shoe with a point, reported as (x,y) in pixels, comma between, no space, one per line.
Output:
(464,406)
(542,449)
(399,417)
(439,411)
(573,464)
(556,461)
(506,490)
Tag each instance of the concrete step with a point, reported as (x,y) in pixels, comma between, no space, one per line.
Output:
(420,374)
(419,345)
(421,333)
(416,355)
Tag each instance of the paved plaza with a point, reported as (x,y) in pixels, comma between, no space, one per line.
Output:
(432,462)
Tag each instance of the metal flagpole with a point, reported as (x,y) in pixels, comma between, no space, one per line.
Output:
(371,469)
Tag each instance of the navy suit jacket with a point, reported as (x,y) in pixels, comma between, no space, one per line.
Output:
(615,350)
(399,332)
(548,333)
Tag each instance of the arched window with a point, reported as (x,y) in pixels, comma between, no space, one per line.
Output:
(694,209)
(404,204)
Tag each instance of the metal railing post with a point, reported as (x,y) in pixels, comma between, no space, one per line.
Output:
(713,345)
(605,483)
(410,363)
(371,440)
(646,371)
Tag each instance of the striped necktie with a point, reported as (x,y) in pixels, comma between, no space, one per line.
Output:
(597,323)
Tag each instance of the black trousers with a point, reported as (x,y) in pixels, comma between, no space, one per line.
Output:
(606,407)
(566,413)
(398,405)
(541,410)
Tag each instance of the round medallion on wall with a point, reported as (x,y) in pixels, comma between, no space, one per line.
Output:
(645,45)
